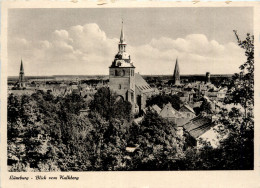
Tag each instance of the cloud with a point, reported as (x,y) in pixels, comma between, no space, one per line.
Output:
(195,52)
(87,50)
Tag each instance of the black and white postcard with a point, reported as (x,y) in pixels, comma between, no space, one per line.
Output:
(129,94)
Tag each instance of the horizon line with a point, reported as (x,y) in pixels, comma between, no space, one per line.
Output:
(108,75)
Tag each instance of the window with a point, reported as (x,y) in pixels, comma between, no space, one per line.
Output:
(119,87)
(123,73)
(132,72)
(116,73)
(132,97)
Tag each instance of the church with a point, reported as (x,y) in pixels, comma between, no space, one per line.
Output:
(123,80)
(21,81)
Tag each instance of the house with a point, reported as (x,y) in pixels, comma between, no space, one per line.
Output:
(187,111)
(84,112)
(222,93)
(198,129)
(185,96)
(156,109)
(168,112)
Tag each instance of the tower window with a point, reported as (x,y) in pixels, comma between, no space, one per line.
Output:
(123,73)
(116,73)
(119,87)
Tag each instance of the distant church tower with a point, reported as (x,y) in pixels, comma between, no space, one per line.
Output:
(21,81)
(207,77)
(176,74)
(122,73)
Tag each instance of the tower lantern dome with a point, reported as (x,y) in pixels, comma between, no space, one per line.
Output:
(122,58)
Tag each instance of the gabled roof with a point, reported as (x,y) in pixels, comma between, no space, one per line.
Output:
(169,112)
(141,84)
(187,107)
(198,126)
(188,86)
(156,108)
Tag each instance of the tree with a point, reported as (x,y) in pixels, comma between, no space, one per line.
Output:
(163,99)
(159,146)
(236,126)
(242,90)
(109,105)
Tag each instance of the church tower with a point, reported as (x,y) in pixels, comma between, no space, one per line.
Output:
(176,74)
(122,73)
(21,81)
(207,77)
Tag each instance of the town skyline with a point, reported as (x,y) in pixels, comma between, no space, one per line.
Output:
(86,46)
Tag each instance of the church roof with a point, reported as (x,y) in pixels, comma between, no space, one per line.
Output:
(141,84)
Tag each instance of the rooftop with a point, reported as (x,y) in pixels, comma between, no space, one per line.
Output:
(198,126)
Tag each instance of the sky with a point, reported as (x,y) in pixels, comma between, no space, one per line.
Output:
(85,41)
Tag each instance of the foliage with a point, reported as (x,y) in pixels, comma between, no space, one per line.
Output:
(159,145)
(242,90)
(47,133)
(240,142)
(163,99)
(109,105)
(236,149)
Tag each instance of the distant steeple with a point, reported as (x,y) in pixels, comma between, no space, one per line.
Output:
(21,67)
(176,74)
(21,76)
(207,77)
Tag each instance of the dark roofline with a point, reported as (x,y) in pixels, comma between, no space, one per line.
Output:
(121,67)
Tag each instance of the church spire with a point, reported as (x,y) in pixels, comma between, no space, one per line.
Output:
(21,67)
(21,76)
(122,36)
(122,43)
(122,54)
(176,74)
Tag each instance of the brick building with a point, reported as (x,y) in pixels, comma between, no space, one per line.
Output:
(124,81)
